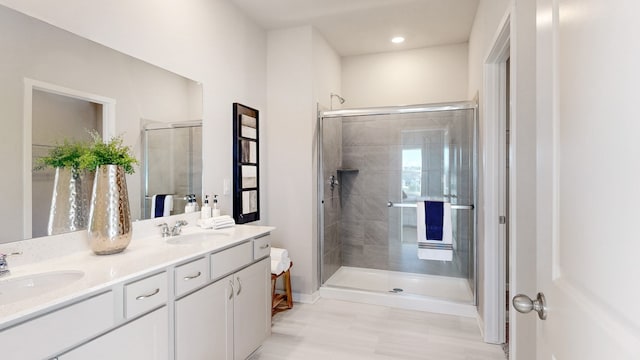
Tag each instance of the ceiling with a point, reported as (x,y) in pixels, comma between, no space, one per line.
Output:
(355,27)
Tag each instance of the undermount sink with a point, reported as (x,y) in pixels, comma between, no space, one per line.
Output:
(198,238)
(24,287)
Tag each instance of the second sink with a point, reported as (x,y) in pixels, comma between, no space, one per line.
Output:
(23,287)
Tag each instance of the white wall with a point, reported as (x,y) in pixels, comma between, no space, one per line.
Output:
(288,148)
(427,75)
(301,70)
(209,41)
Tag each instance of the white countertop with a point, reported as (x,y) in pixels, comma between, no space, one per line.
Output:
(147,252)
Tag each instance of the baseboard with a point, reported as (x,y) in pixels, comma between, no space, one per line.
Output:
(306,298)
(480,325)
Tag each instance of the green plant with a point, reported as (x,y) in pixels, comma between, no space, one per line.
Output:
(109,153)
(65,155)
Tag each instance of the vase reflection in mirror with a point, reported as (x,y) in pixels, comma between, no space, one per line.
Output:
(109,229)
(70,201)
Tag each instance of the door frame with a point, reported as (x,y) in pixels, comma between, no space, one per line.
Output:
(108,131)
(494,234)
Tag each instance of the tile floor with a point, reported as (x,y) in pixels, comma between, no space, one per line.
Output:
(337,330)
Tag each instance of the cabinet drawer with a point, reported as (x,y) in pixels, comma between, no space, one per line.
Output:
(190,276)
(261,247)
(46,335)
(226,261)
(145,295)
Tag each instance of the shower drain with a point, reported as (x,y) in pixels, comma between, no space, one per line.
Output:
(396,290)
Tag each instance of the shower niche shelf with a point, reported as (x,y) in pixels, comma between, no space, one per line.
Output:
(348,171)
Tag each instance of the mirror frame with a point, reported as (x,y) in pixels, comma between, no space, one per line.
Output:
(246,193)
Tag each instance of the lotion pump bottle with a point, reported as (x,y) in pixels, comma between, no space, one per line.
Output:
(205,211)
(190,207)
(215,211)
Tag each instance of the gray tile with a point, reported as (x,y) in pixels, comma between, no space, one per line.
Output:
(352,232)
(376,233)
(352,255)
(376,257)
(352,208)
(331,240)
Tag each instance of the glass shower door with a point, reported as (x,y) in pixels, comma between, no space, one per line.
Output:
(384,165)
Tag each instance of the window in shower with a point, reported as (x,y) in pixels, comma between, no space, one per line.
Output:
(411,174)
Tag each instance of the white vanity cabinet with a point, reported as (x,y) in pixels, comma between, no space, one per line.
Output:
(204,323)
(142,339)
(230,318)
(251,308)
(178,303)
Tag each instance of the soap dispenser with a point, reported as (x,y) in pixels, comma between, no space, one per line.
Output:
(215,211)
(205,211)
(191,202)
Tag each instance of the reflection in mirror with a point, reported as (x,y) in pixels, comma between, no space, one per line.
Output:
(55,117)
(171,167)
(35,52)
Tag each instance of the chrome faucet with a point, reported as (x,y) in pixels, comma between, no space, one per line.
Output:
(4,265)
(177,228)
(165,230)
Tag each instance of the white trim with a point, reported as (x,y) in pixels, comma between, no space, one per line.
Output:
(305,298)
(494,154)
(108,131)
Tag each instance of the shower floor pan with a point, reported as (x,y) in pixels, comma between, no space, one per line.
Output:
(431,293)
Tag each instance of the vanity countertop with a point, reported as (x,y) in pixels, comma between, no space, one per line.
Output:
(144,255)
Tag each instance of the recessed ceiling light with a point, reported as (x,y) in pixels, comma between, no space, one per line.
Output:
(397,40)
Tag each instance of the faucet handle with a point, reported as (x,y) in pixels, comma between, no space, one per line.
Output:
(165,229)
(181,223)
(3,262)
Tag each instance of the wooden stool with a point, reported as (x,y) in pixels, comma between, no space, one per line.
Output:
(281,302)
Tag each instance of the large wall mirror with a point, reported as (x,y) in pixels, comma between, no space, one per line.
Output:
(55,85)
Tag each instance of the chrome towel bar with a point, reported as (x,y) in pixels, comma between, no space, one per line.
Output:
(409,205)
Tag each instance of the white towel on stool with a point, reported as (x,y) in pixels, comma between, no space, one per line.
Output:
(429,249)
(280,261)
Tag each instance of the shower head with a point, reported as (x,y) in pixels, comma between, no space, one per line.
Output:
(340,98)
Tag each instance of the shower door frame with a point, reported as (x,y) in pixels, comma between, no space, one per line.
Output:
(396,110)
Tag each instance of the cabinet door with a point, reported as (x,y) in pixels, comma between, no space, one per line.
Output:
(204,323)
(143,339)
(252,308)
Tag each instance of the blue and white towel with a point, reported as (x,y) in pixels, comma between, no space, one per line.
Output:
(161,205)
(435,236)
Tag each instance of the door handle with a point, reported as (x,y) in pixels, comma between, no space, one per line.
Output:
(523,304)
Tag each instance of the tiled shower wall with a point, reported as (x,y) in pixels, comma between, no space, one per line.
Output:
(332,161)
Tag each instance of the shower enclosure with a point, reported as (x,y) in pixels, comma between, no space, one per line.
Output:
(376,164)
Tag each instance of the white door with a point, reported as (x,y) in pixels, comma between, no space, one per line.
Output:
(588,180)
